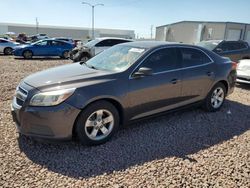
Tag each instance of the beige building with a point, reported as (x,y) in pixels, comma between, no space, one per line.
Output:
(79,33)
(192,32)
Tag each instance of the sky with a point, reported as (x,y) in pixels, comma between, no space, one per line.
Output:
(138,15)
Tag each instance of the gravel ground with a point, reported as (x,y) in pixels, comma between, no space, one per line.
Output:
(190,148)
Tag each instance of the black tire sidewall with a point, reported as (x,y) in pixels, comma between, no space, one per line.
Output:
(207,103)
(6,50)
(27,57)
(80,123)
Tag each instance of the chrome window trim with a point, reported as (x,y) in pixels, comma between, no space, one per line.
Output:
(183,68)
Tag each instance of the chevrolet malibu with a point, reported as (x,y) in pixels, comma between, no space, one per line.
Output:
(127,82)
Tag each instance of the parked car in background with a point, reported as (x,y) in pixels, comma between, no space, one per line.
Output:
(243,72)
(94,47)
(235,50)
(7,46)
(38,37)
(124,83)
(47,47)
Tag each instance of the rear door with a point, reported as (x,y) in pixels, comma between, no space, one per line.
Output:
(159,92)
(197,74)
(57,48)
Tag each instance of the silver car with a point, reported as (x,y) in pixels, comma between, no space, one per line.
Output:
(94,47)
(7,46)
(243,71)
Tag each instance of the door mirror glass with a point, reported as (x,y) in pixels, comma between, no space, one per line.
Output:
(143,71)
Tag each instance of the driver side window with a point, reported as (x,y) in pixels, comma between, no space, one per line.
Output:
(162,60)
(42,43)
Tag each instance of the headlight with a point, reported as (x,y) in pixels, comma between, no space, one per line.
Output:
(51,98)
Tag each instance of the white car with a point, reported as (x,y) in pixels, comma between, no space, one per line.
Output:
(243,71)
(7,46)
(94,47)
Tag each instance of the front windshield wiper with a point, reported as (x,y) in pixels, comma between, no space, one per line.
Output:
(90,66)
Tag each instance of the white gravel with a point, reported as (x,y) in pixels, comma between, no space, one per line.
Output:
(190,148)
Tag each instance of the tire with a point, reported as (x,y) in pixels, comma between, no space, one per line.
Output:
(27,54)
(85,58)
(215,99)
(8,51)
(91,128)
(65,55)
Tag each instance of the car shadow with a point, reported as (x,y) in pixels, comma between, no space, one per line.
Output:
(176,134)
(243,86)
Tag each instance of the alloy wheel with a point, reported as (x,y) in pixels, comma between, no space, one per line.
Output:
(217,97)
(99,125)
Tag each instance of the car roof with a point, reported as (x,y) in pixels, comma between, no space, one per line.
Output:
(152,44)
(4,39)
(105,38)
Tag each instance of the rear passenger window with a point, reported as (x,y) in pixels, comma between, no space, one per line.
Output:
(192,57)
(104,43)
(162,60)
(230,46)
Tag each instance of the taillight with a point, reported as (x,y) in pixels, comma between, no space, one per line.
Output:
(234,65)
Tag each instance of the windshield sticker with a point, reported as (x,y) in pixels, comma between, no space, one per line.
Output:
(137,50)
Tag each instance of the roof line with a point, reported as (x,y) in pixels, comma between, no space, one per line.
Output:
(215,22)
(58,27)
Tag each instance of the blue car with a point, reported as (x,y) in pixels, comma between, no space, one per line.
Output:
(47,47)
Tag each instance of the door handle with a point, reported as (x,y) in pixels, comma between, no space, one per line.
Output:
(174,81)
(210,73)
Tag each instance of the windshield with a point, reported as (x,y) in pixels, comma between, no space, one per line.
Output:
(117,58)
(208,45)
(91,43)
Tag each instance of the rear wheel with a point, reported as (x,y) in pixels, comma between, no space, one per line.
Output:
(8,51)
(215,98)
(85,58)
(97,123)
(65,55)
(27,54)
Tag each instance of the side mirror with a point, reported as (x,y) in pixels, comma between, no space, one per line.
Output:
(218,50)
(143,71)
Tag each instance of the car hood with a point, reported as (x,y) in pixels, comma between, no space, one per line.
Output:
(65,75)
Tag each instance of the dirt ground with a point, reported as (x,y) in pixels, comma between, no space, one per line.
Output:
(191,148)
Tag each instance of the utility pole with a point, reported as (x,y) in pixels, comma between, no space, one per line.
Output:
(93,16)
(37,25)
(152,27)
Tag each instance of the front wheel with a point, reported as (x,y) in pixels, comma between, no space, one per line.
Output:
(97,123)
(215,98)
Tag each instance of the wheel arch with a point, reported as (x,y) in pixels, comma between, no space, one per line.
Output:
(113,101)
(225,83)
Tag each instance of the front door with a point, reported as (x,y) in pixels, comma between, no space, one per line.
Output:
(160,91)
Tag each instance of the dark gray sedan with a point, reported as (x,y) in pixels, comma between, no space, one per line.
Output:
(124,83)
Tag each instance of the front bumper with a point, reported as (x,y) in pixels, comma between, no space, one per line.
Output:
(243,77)
(54,122)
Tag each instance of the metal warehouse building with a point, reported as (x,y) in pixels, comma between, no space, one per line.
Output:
(192,32)
(61,31)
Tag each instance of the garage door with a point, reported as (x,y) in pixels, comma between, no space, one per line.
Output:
(233,34)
